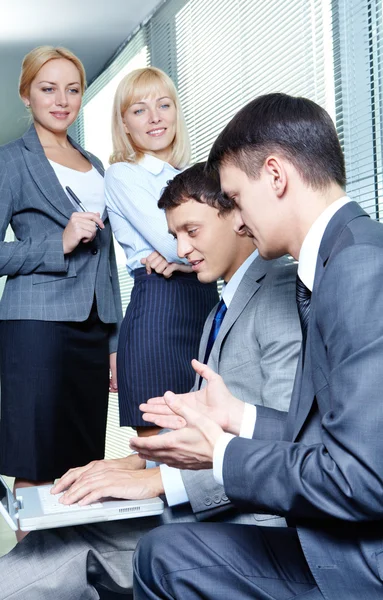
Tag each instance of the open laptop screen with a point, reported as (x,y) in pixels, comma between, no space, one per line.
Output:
(8,505)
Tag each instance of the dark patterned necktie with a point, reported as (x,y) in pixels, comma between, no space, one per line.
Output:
(303,295)
(215,327)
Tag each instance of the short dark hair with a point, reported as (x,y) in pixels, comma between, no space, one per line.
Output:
(298,128)
(195,183)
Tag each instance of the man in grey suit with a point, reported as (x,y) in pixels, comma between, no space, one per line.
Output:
(256,348)
(321,463)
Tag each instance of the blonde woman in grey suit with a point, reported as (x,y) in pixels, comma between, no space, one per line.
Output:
(60,309)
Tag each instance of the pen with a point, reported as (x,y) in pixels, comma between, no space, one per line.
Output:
(78,201)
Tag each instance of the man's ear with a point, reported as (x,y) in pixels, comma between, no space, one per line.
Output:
(238,224)
(242,231)
(275,168)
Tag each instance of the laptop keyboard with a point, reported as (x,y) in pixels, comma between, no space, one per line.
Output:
(50,503)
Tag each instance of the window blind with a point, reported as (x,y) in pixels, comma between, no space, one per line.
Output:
(358,52)
(222,54)
(117,438)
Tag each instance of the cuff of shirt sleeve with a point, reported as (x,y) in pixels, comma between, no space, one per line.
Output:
(174,488)
(249,420)
(150,464)
(218,455)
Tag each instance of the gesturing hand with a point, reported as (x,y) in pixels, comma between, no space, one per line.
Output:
(81,228)
(191,447)
(215,401)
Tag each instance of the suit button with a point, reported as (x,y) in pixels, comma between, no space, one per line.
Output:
(217,499)
(94,251)
(208,501)
(224,498)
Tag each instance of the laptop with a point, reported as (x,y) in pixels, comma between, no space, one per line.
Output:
(36,508)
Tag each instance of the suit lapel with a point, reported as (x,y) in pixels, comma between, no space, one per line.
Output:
(303,393)
(250,284)
(205,335)
(43,174)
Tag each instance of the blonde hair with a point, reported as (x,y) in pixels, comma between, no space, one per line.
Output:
(36,58)
(139,84)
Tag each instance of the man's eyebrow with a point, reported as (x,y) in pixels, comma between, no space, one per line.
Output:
(183,226)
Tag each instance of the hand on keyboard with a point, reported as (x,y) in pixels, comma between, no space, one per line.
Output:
(51,504)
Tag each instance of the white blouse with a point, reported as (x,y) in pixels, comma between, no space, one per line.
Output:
(88,187)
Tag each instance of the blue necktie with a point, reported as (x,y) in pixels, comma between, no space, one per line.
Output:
(215,327)
(303,296)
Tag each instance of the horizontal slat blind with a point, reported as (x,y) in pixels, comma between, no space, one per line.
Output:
(228,52)
(117,438)
(358,42)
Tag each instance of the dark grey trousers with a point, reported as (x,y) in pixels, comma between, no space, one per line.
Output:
(222,561)
(76,563)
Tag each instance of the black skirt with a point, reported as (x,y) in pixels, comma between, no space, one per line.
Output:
(54,396)
(159,336)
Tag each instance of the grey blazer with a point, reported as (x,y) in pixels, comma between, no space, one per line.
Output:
(43,283)
(321,464)
(256,353)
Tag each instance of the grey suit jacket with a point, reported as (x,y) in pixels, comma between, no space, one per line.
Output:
(43,283)
(256,353)
(322,464)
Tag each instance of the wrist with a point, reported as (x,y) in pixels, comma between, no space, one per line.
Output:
(134,463)
(236,417)
(154,481)
(159,483)
(67,249)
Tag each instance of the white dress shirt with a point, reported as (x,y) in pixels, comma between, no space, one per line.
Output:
(171,478)
(306,269)
(132,192)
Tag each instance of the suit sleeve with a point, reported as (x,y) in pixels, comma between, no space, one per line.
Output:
(277,330)
(341,474)
(206,496)
(43,254)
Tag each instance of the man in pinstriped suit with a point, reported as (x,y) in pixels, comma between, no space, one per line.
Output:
(255,351)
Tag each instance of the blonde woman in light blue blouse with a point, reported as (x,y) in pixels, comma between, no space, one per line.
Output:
(164,320)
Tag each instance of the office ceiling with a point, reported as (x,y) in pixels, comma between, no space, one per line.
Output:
(92,29)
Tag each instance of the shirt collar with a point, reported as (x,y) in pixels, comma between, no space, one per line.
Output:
(310,248)
(153,164)
(229,288)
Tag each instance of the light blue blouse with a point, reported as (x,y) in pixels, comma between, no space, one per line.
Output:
(132,192)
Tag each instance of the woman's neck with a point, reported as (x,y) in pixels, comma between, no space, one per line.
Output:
(51,139)
(164,155)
